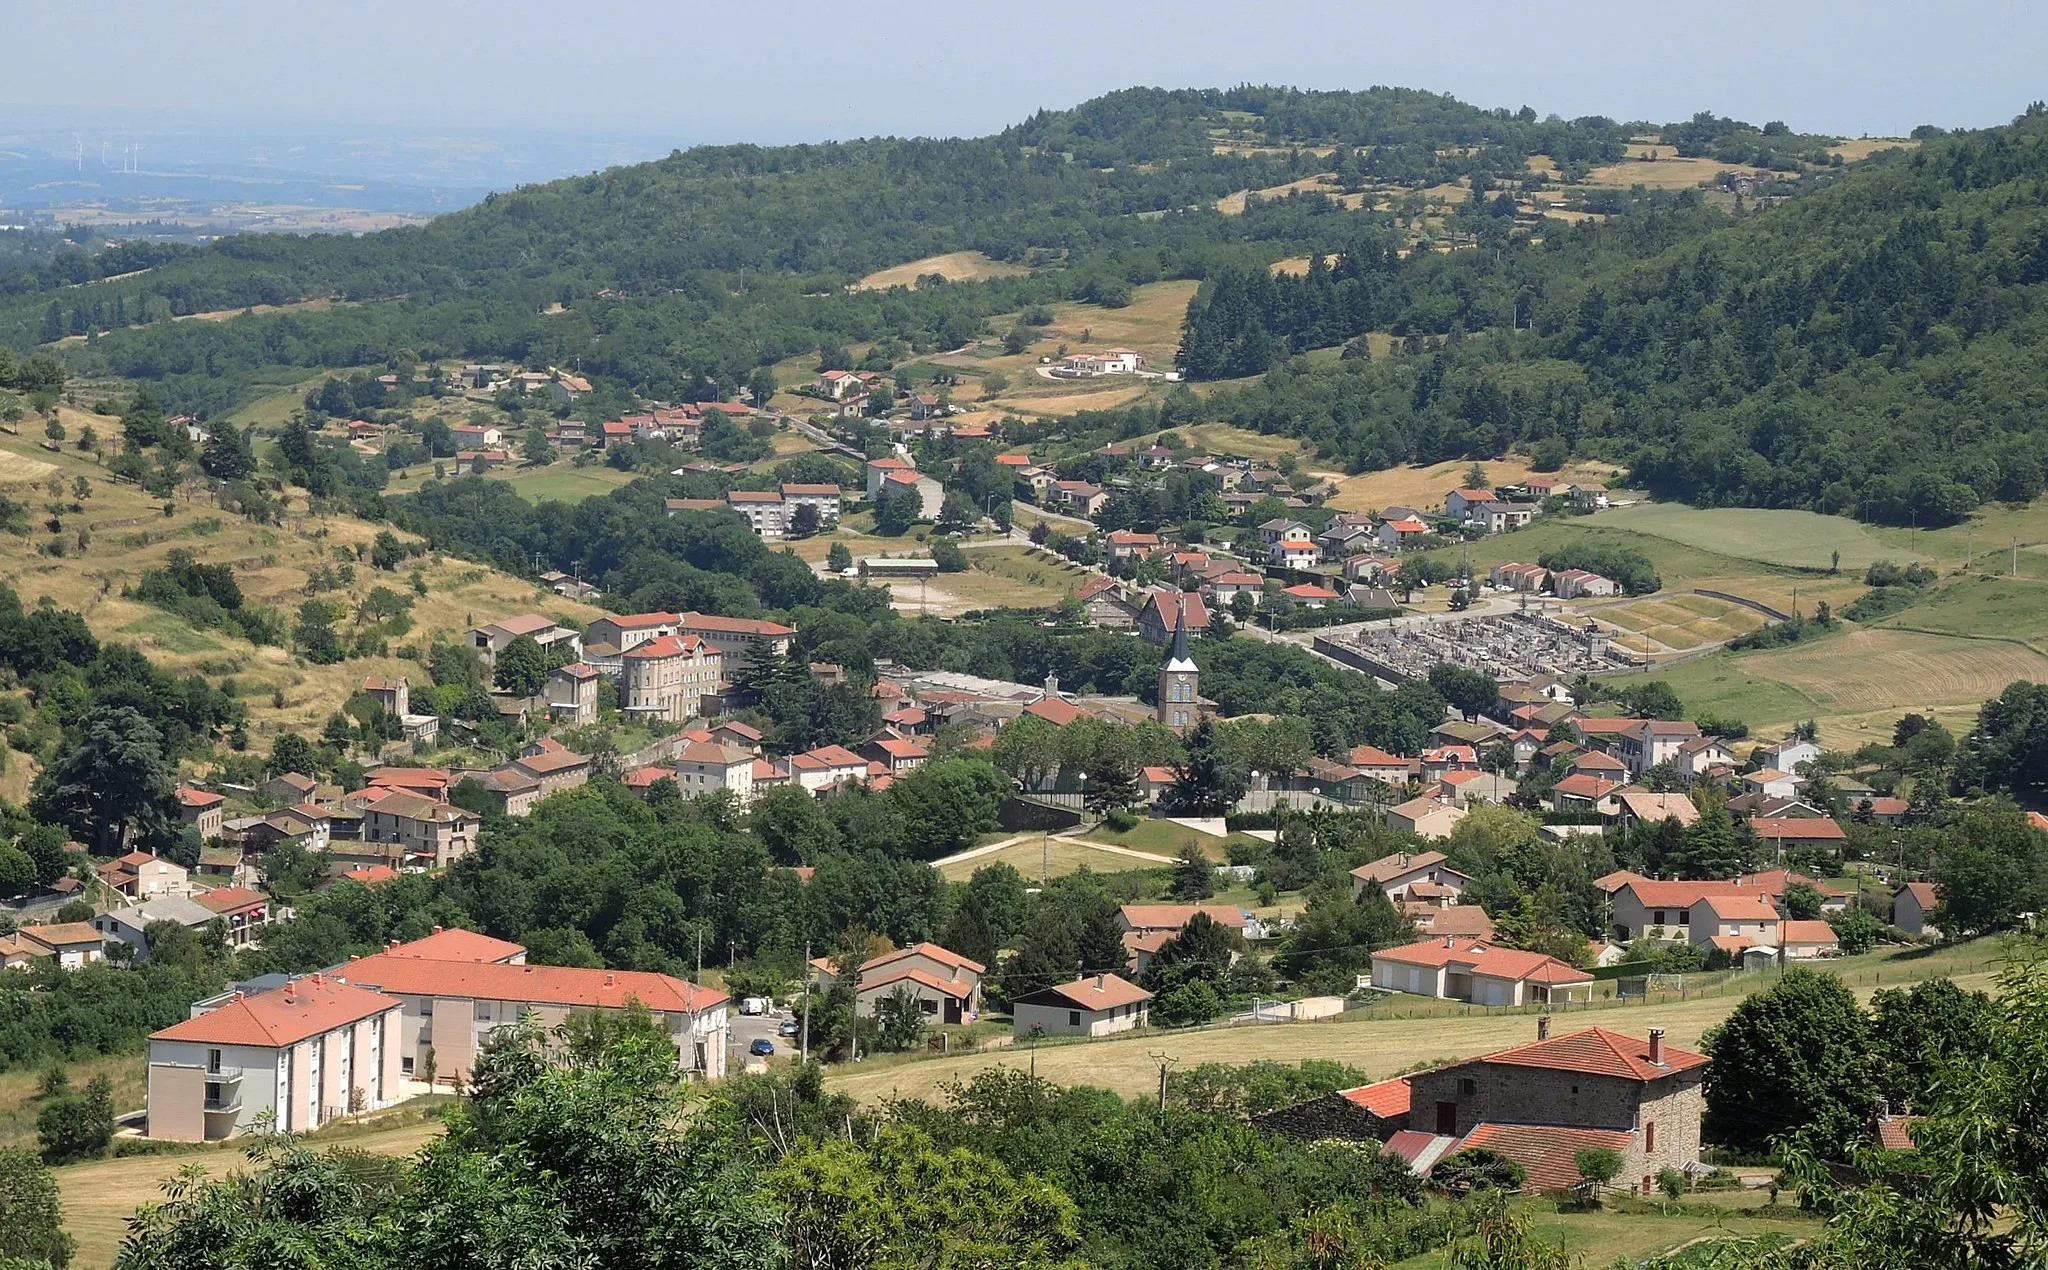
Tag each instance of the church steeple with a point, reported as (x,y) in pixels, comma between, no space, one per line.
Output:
(1178,679)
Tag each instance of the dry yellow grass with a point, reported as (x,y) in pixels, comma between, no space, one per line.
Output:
(1424,487)
(1875,670)
(1650,150)
(1050,857)
(128,534)
(1150,323)
(1233,204)
(99,1198)
(1293,267)
(19,469)
(1664,174)
(222,315)
(1542,165)
(1862,148)
(1046,399)
(957,266)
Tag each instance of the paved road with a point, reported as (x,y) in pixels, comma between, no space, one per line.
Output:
(743,1029)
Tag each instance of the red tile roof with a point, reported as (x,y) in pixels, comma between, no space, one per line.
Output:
(552,985)
(1597,1052)
(189,797)
(1547,1153)
(1175,916)
(1098,992)
(371,874)
(1895,1133)
(1483,958)
(1799,828)
(1753,907)
(1807,931)
(455,944)
(638,621)
(302,1009)
(1585,785)
(944,956)
(1388,1099)
(231,899)
(734,625)
(1056,712)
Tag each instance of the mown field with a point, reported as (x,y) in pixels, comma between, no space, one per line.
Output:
(1423,487)
(958,266)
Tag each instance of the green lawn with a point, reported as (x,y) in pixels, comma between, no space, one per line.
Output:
(171,633)
(1981,606)
(1802,540)
(1719,684)
(1163,837)
(562,482)
(1609,1236)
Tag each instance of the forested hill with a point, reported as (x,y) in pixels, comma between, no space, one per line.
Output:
(1878,347)
(713,261)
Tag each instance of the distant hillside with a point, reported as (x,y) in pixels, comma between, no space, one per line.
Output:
(1875,347)
(720,259)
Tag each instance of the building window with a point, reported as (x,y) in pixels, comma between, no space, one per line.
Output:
(1073,1018)
(1650,1136)
(1467,1085)
(213,1062)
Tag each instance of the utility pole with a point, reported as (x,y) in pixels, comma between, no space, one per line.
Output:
(2015,543)
(804,1035)
(700,956)
(1166,1062)
(1969,545)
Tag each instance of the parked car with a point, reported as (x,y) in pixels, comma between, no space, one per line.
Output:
(762,1047)
(789,1028)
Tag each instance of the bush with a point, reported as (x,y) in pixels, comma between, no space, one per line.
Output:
(1122,819)
(1194,1001)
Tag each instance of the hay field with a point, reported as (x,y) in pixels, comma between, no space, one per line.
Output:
(1293,267)
(296,306)
(1680,622)
(957,266)
(1424,487)
(1666,173)
(1862,148)
(17,468)
(1044,396)
(1038,857)
(1150,324)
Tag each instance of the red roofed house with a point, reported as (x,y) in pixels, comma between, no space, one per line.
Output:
(1411,876)
(1912,905)
(1167,611)
(1461,502)
(1055,711)
(1146,918)
(1128,544)
(308,1052)
(945,985)
(625,631)
(897,754)
(828,765)
(736,634)
(201,809)
(1539,1104)
(1479,972)
(1780,832)
(1095,1006)
(1734,923)
(246,912)
(705,767)
(140,875)
(1397,534)
(1310,596)
(452,1006)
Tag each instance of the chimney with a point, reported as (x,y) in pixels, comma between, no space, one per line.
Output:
(610,978)
(1656,1047)
(1450,941)
(437,930)
(1101,982)
(316,977)
(1542,1027)
(239,995)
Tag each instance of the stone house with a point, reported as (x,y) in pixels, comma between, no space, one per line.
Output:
(1645,1094)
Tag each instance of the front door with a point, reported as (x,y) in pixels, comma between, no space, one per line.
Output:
(1447,1118)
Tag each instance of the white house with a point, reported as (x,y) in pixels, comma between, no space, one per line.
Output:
(1476,971)
(1096,1006)
(1572,584)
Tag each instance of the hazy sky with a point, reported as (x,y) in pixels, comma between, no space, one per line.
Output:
(773,70)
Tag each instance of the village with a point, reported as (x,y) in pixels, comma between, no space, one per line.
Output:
(299,1051)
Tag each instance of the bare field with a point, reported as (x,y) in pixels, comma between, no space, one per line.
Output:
(1424,487)
(1293,267)
(957,266)
(1233,204)
(296,306)
(1862,148)
(1871,670)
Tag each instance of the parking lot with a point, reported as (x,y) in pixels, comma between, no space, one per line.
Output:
(744,1029)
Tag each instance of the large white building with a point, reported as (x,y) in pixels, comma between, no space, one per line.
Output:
(304,1053)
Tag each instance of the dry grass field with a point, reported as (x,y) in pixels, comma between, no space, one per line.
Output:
(1667,172)
(1293,267)
(1425,487)
(1390,1038)
(1064,397)
(222,315)
(1233,204)
(958,266)
(1045,857)
(1679,622)
(127,533)
(1150,324)
(1858,150)
(99,1197)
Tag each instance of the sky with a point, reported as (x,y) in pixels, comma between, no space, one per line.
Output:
(691,71)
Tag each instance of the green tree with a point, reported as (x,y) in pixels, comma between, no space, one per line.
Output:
(291,753)
(1920,1033)
(536,448)
(111,787)
(1335,936)
(838,558)
(522,667)
(1597,1165)
(899,1020)
(31,1213)
(73,1126)
(1194,877)
(1801,902)
(1989,867)
(1470,692)
(226,455)
(314,635)
(946,803)
(1206,783)
(1792,1059)
(896,511)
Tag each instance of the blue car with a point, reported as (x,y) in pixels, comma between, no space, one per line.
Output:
(761,1047)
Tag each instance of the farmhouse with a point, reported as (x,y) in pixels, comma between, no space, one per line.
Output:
(1095,1006)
